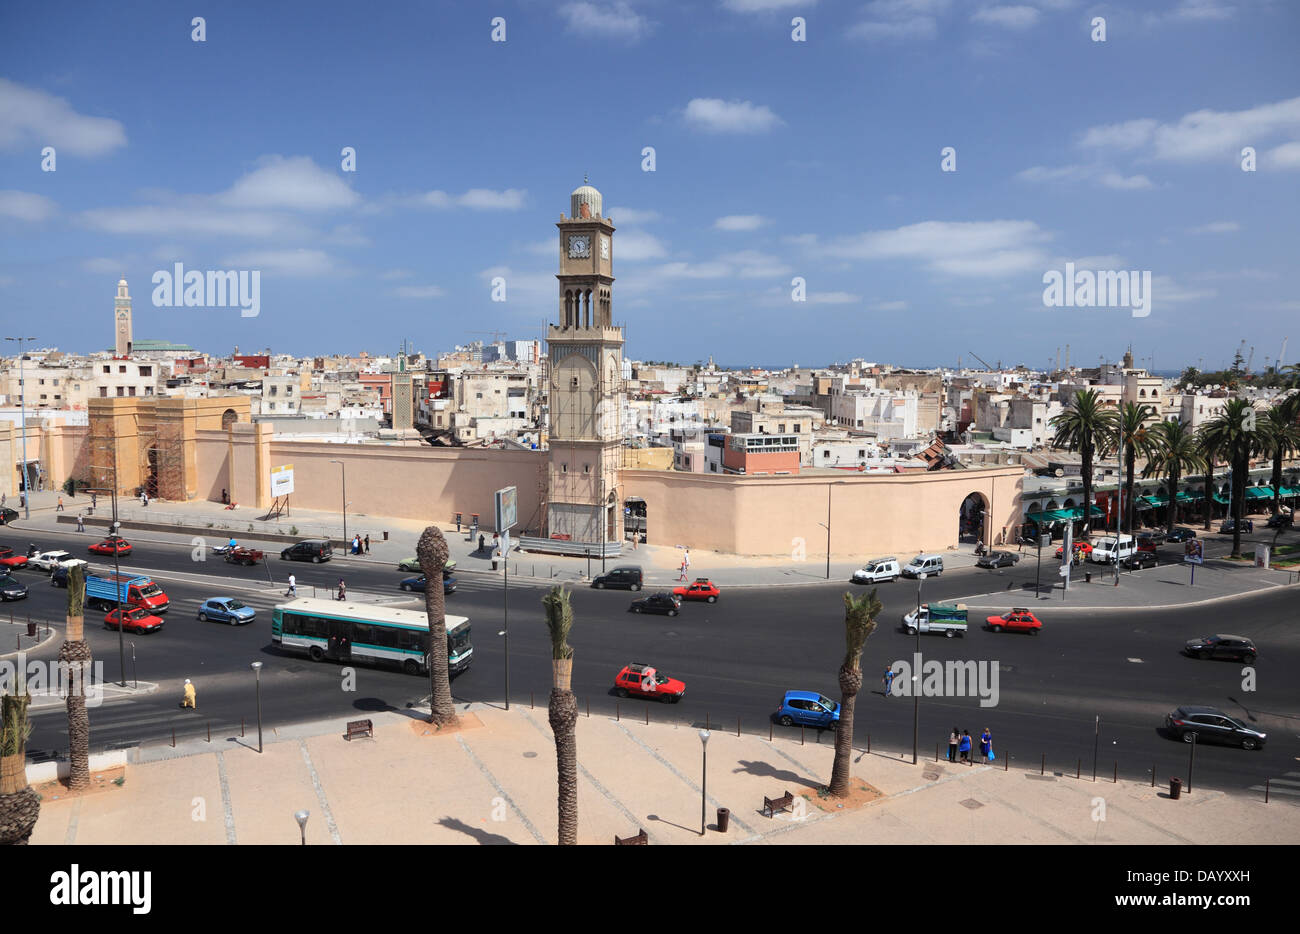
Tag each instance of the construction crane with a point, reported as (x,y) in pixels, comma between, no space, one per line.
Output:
(1250,359)
(980,359)
(496,335)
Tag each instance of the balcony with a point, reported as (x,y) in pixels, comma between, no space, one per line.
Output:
(555,333)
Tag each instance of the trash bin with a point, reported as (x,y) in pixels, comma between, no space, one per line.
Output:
(494,562)
(724,819)
(1087,577)
(1175,788)
(31,630)
(385,535)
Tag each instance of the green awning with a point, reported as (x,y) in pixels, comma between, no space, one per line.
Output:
(1259,492)
(1186,497)
(1062,515)
(1150,502)
(1220,498)
(1288,491)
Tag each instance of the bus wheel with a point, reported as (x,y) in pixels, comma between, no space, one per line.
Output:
(411,666)
(316,653)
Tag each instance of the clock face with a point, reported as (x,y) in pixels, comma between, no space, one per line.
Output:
(604,247)
(579,246)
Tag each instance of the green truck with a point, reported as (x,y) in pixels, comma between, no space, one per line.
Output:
(947,618)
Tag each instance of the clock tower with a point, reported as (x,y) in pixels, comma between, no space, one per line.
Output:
(585,389)
(122,319)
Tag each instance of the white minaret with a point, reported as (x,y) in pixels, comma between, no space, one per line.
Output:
(122,316)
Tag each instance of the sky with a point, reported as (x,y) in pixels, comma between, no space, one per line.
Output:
(893,180)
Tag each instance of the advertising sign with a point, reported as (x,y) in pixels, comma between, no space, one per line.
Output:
(507,509)
(1192,551)
(282,480)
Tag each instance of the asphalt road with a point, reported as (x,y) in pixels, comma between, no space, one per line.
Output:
(737,658)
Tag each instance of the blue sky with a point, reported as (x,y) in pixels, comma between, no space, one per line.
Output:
(775,159)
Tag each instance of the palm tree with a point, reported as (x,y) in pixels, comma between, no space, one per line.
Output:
(1209,453)
(74,660)
(432,552)
(859,623)
(1281,424)
(562,711)
(1083,427)
(1174,453)
(20,806)
(1129,432)
(1235,432)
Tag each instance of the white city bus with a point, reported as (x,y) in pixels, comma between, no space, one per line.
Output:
(365,632)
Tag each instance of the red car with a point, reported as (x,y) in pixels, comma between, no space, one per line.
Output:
(110,546)
(1080,549)
(12,560)
(700,589)
(1017,620)
(138,619)
(644,681)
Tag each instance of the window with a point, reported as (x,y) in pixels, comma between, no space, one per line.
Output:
(796,428)
(103,392)
(148,390)
(478,395)
(121,368)
(132,391)
(107,370)
(825,453)
(586,468)
(121,390)
(862,452)
(146,371)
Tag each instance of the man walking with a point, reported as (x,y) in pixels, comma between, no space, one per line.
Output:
(81,526)
(889,681)
(367,543)
(293,587)
(59,507)
(343,590)
(191,699)
(953,739)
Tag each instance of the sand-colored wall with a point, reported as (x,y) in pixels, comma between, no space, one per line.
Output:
(900,514)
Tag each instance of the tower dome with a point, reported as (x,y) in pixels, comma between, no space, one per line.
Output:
(585,195)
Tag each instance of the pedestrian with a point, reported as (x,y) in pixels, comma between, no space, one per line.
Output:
(686,562)
(3,498)
(367,543)
(293,587)
(225,496)
(953,738)
(94,499)
(81,525)
(343,590)
(481,543)
(59,508)
(986,745)
(964,747)
(345,647)
(190,699)
(889,681)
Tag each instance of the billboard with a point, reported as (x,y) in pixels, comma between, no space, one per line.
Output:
(507,509)
(282,480)
(1193,551)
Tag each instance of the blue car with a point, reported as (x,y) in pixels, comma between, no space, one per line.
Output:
(808,708)
(418,583)
(226,610)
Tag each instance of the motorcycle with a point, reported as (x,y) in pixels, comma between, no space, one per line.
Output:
(221,549)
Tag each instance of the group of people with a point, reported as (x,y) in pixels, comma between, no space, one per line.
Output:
(360,545)
(960,745)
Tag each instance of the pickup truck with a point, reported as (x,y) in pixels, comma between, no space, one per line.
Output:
(105,591)
(947,618)
(241,555)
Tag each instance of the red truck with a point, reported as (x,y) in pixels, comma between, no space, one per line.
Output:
(104,591)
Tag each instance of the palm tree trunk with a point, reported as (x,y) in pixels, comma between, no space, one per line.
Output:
(562,711)
(75,661)
(850,684)
(1130,461)
(432,552)
(1172,518)
(1209,491)
(1238,493)
(1085,463)
(20,806)
(1277,479)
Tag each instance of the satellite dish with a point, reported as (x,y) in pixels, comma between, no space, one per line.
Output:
(1059,472)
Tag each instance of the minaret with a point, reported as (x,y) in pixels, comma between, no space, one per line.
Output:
(122,315)
(586,385)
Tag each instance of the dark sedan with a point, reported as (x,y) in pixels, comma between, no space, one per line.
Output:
(421,582)
(1180,534)
(997,559)
(11,588)
(1247,525)
(1139,560)
(664,603)
(1233,648)
(1280,521)
(1211,725)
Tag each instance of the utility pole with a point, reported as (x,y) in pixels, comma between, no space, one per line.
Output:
(22,401)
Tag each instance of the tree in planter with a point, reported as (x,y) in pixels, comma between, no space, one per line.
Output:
(20,806)
(74,658)
(1281,426)
(1174,453)
(1236,433)
(562,711)
(1084,427)
(859,623)
(432,552)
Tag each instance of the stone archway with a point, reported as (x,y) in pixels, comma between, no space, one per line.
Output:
(228,418)
(973,518)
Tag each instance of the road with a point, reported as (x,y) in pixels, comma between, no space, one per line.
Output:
(737,658)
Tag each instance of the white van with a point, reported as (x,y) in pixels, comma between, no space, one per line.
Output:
(882,569)
(1107,551)
(930,565)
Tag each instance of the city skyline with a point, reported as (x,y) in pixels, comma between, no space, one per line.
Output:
(1117,155)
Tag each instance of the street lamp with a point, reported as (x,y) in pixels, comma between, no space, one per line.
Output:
(257,671)
(117,574)
(344,468)
(916,675)
(22,402)
(301,818)
(704,777)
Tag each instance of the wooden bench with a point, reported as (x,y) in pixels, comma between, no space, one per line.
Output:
(772,805)
(360,728)
(639,840)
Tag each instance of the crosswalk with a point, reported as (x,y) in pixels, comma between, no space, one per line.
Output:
(1288,785)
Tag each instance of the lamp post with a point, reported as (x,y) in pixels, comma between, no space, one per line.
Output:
(301,818)
(704,777)
(344,468)
(257,671)
(916,675)
(22,402)
(117,573)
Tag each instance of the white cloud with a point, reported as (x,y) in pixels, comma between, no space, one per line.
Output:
(832,298)
(751,264)
(391,274)
(25,206)
(718,116)
(1124,183)
(1200,136)
(104,266)
(1196,11)
(294,182)
(418,291)
(636,246)
(196,217)
(740,222)
(299,262)
(889,306)
(530,286)
(974,248)
(807,240)
(763,6)
(610,21)
(33,119)
(480,199)
(1286,156)
(1010,17)
(900,19)
(627,216)
(1216,227)
(1079,173)
(1165,290)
